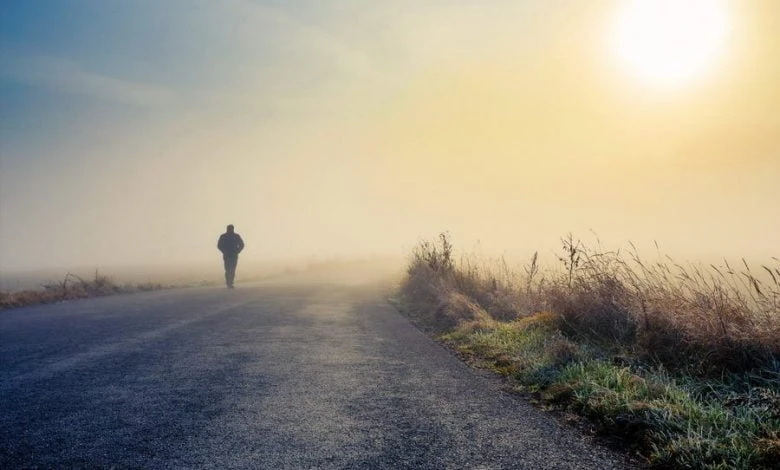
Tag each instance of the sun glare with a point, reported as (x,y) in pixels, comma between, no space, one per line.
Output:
(670,42)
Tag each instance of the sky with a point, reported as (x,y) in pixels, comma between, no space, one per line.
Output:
(132,132)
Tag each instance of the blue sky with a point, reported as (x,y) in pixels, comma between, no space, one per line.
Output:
(133,131)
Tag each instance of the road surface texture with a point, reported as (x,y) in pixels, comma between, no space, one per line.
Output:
(278,375)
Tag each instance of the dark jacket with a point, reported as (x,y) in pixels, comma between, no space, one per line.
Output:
(230,244)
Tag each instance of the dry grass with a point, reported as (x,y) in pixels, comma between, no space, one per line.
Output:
(704,320)
(72,287)
(679,362)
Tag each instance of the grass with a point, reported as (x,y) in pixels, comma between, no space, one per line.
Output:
(680,363)
(72,287)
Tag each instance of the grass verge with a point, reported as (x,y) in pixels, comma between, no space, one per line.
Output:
(72,287)
(597,340)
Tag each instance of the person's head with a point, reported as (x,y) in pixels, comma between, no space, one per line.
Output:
(230,228)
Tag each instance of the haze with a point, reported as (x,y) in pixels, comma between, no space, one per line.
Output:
(133,132)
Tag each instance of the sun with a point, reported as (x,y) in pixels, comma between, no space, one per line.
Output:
(670,42)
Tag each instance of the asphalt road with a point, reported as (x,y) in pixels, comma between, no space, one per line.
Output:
(279,374)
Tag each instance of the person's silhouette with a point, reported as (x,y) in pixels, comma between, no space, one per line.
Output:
(230,244)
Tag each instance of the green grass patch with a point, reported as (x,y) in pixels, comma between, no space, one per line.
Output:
(675,422)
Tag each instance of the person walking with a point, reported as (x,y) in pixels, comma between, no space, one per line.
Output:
(230,244)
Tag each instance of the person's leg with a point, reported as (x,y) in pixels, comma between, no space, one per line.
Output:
(228,280)
(231,270)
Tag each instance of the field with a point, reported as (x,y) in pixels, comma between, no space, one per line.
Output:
(679,363)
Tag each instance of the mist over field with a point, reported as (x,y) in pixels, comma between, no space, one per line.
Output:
(133,132)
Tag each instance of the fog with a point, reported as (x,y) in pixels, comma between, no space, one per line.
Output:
(353,129)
